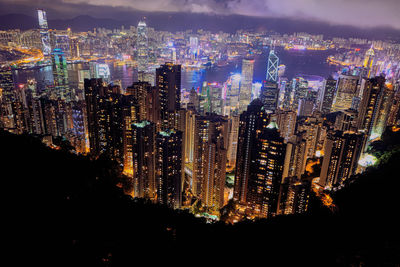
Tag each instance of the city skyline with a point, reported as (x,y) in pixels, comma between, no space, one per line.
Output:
(207,134)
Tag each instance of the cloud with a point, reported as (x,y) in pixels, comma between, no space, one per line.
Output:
(361,13)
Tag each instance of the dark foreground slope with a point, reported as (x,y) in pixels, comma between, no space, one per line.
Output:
(62,209)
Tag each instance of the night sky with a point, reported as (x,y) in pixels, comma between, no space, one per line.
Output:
(359,13)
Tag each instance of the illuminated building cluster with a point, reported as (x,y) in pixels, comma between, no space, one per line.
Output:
(176,145)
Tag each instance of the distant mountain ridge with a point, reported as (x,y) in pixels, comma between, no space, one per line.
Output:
(183,21)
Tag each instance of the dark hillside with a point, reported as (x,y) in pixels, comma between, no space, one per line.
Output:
(64,209)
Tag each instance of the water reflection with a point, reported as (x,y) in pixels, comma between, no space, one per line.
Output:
(297,62)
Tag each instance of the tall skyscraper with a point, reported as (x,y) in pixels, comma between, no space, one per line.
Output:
(193,100)
(346,121)
(210,149)
(105,119)
(44,32)
(194,47)
(312,129)
(232,94)
(9,105)
(75,47)
(140,90)
(375,106)
(211,99)
(260,162)
(394,114)
(144,159)
(327,95)
(246,83)
(79,131)
(60,75)
(299,91)
(286,120)
(383,113)
(294,195)
(62,42)
(190,119)
(33,109)
(272,67)
(369,61)
(306,107)
(129,114)
(142,46)
(169,167)
(342,152)
(269,95)
(233,134)
(168,83)
(296,156)
(347,88)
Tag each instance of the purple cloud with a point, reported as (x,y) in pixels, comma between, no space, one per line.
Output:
(361,13)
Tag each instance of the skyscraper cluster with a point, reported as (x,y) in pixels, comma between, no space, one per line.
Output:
(272,136)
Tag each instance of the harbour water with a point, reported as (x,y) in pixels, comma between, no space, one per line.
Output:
(296,62)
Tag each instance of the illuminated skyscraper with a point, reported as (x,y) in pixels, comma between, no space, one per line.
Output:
(272,67)
(346,90)
(44,32)
(371,101)
(233,134)
(346,121)
(380,123)
(269,95)
(299,91)
(306,107)
(79,132)
(33,109)
(75,47)
(190,119)
(168,83)
(286,120)
(105,119)
(193,100)
(204,100)
(313,130)
(260,162)
(342,152)
(6,81)
(62,42)
(130,116)
(256,90)
(7,100)
(294,196)
(369,61)
(209,165)
(144,160)
(394,114)
(211,99)
(147,76)
(232,94)
(194,47)
(60,75)
(142,46)
(246,84)
(140,90)
(327,95)
(296,156)
(169,162)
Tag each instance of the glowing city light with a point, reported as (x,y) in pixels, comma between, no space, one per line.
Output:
(236,77)
(367,160)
